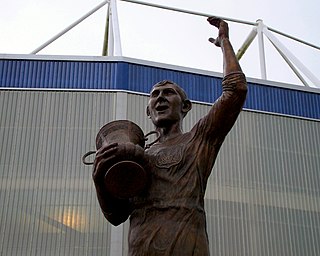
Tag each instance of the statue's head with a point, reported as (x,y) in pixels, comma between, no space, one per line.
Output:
(168,103)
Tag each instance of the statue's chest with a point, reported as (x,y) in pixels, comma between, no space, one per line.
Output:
(167,156)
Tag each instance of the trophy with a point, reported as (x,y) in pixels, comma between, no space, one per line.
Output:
(127,177)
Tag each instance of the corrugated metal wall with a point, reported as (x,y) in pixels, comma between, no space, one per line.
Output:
(47,202)
(126,75)
(263,197)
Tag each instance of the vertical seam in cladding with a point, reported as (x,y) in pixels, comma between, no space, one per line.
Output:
(10,78)
(2,72)
(124,72)
(8,75)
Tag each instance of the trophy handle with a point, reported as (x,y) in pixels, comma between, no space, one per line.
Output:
(156,140)
(146,147)
(86,155)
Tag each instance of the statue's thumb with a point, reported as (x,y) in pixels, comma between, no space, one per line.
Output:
(212,40)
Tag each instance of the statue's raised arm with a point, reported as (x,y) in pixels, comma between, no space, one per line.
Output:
(227,107)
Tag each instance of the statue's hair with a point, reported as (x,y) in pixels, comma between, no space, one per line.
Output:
(181,92)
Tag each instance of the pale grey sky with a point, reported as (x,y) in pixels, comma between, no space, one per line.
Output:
(165,36)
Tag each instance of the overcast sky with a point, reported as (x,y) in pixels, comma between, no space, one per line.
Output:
(165,36)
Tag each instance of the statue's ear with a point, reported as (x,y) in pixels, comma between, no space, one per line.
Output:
(148,111)
(186,106)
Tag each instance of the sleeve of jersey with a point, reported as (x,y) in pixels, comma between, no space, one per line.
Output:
(224,112)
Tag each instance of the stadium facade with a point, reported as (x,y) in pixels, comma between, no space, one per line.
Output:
(263,197)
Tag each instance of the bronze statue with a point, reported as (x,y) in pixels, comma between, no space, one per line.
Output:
(167,217)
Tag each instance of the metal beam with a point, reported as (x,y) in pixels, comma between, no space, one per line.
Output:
(263,68)
(114,31)
(291,66)
(188,12)
(294,38)
(291,57)
(106,34)
(71,26)
(224,18)
(247,43)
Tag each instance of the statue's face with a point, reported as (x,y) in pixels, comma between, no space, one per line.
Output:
(165,105)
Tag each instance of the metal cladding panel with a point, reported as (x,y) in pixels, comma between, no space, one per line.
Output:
(136,112)
(48,204)
(61,74)
(207,89)
(198,87)
(283,101)
(101,75)
(263,197)
(122,75)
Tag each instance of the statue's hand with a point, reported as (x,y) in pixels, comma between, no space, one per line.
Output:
(114,209)
(109,154)
(223,30)
(105,158)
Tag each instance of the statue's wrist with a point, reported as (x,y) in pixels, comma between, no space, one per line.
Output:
(224,39)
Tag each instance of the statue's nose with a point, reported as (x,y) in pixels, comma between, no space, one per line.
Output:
(161,96)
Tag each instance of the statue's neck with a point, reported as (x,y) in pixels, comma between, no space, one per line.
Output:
(167,133)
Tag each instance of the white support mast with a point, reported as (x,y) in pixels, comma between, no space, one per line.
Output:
(114,41)
(262,56)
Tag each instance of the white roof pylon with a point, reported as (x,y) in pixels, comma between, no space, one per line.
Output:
(112,43)
(294,63)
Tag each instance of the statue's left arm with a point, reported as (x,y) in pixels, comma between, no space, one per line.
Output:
(212,129)
(227,107)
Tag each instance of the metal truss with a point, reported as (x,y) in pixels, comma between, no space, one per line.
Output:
(294,63)
(112,40)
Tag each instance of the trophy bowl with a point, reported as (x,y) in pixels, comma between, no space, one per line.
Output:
(127,177)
